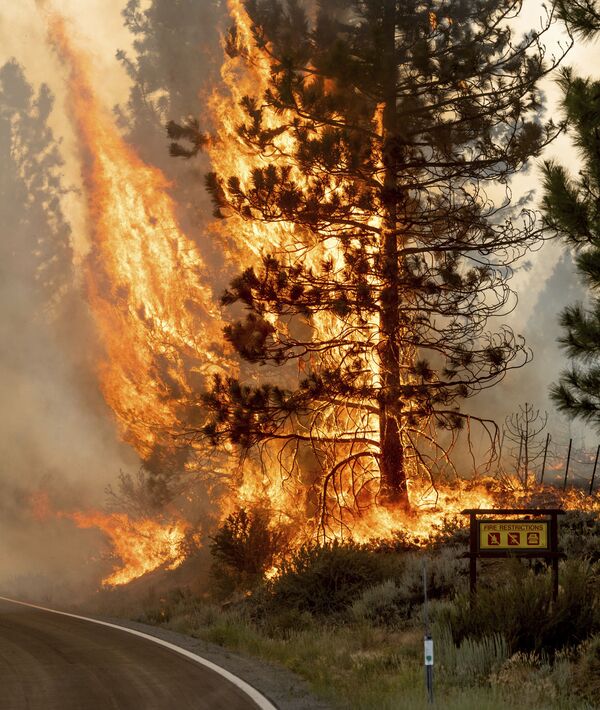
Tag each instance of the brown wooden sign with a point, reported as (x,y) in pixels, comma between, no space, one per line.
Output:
(531,533)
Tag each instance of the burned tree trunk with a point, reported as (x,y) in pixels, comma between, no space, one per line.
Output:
(366,156)
(392,462)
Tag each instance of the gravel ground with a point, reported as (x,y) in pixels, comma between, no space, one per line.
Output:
(283,688)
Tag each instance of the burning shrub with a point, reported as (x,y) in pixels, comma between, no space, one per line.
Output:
(453,532)
(244,548)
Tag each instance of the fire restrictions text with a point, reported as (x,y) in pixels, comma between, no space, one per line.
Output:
(506,535)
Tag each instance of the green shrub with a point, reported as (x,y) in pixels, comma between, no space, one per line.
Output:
(329,578)
(473,659)
(285,623)
(520,606)
(587,670)
(382,605)
(243,548)
(531,677)
(389,603)
(446,574)
(576,615)
(579,535)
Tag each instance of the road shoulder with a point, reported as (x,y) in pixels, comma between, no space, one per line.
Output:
(282,687)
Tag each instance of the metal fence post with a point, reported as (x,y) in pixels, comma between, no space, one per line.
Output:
(567,466)
(594,472)
(548,437)
(428,640)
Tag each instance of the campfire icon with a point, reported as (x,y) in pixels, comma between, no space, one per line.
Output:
(493,538)
(514,539)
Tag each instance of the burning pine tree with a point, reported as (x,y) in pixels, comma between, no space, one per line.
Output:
(365,152)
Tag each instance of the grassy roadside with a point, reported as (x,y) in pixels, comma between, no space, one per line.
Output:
(361,666)
(348,619)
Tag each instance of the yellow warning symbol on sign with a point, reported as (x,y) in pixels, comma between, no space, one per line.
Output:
(507,535)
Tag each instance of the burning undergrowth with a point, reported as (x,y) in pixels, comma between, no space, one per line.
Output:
(137,546)
(155,303)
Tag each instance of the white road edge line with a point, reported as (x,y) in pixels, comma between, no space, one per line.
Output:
(251,692)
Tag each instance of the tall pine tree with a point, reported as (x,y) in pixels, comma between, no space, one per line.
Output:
(394,120)
(35,246)
(572,209)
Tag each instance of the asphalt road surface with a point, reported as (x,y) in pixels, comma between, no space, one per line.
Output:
(54,662)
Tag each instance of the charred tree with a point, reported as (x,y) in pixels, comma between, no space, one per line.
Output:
(382,126)
(524,429)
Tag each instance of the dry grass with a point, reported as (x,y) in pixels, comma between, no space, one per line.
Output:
(363,667)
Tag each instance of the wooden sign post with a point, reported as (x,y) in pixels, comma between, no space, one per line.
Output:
(533,534)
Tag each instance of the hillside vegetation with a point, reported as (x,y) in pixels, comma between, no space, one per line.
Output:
(349,618)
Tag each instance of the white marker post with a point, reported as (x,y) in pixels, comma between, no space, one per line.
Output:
(428,643)
(429,667)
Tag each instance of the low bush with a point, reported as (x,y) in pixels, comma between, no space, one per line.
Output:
(285,623)
(520,606)
(243,549)
(382,605)
(446,574)
(531,677)
(453,531)
(473,659)
(587,670)
(327,579)
(393,601)
(579,535)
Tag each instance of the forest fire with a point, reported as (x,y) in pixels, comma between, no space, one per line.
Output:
(352,464)
(301,345)
(140,545)
(347,437)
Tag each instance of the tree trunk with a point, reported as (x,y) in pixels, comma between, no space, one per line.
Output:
(393,463)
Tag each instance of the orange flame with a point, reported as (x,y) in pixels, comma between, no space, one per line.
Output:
(141,545)
(157,322)
(247,72)
(161,330)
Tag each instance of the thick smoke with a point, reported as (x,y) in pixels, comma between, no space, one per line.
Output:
(173,68)
(56,433)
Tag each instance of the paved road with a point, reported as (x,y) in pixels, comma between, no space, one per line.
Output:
(53,662)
